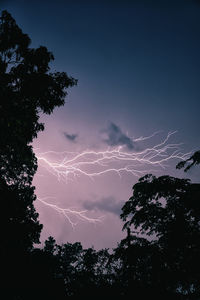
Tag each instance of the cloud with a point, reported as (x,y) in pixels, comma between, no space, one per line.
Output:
(115,137)
(71,137)
(108,204)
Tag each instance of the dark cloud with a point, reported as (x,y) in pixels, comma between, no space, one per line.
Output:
(115,137)
(108,204)
(71,137)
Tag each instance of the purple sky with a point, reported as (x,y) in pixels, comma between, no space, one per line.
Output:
(138,72)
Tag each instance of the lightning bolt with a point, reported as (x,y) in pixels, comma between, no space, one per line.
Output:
(68,165)
(95,163)
(69,213)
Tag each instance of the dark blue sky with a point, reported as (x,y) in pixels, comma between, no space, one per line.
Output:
(137,57)
(136,61)
(137,65)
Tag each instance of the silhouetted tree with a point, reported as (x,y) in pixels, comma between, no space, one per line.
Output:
(190,162)
(139,262)
(167,209)
(27,89)
(85,272)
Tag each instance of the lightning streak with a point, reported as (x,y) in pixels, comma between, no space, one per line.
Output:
(68,165)
(70,214)
(96,163)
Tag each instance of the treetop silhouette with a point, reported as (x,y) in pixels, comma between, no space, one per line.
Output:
(27,89)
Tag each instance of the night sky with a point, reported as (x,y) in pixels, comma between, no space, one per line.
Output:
(138,70)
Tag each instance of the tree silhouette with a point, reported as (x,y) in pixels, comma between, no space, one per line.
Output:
(167,209)
(190,162)
(27,89)
(85,272)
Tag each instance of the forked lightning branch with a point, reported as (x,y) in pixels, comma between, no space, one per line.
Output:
(69,165)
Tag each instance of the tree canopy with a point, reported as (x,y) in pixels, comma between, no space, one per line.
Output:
(167,210)
(27,89)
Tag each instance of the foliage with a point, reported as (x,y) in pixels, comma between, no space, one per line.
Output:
(190,162)
(27,89)
(168,211)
